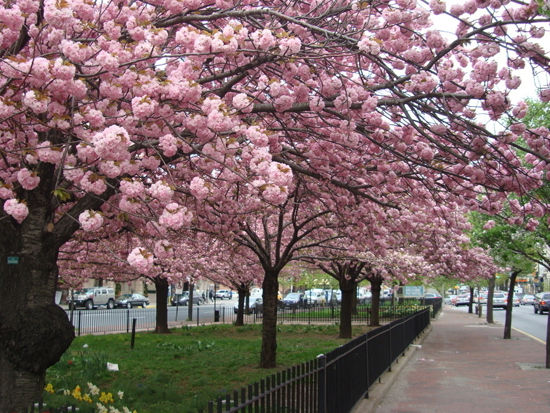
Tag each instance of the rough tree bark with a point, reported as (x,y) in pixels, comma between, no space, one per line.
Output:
(270,285)
(490,294)
(161,285)
(243,292)
(34,332)
(376,286)
(348,288)
(471,300)
(510,305)
(190,302)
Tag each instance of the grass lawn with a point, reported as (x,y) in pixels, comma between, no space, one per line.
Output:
(182,371)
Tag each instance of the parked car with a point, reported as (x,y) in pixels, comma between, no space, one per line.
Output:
(481,298)
(221,294)
(183,299)
(516,301)
(500,300)
(432,295)
(542,302)
(92,297)
(527,299)
(131,300)
(363,296)
(255,305)
(449,299)
(293,300)
(462,299)
(314,296)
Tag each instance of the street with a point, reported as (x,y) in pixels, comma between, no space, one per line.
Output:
(523,318)
(120,320)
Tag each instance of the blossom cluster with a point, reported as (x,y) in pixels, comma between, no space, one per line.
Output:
(141,259)
(90,220)
(17,209)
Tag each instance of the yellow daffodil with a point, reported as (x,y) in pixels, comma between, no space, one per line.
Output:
(106,398)
(77,393)
(49,388)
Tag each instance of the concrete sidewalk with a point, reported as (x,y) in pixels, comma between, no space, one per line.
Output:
(464,365)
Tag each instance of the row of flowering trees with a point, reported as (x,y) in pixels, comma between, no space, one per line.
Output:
(276,125)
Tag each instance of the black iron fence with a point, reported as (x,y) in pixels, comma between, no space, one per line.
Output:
(333,383)
(121,320)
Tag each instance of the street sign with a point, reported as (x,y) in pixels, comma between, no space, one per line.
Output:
(413,291)
(13,260)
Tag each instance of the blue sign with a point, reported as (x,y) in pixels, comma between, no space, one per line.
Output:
(13,260)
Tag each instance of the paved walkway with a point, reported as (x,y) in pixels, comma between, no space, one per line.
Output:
(464,365)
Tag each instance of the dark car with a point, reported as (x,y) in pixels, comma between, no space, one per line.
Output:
(541,302)
(255,305)
(131,300)
(183,299)
(293,300)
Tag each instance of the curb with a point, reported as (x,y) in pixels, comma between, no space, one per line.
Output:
(380,388)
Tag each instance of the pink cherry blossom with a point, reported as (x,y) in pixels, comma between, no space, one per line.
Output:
(161,191)
(93,182)
(18,210)
(175,216)
(112,144)
(141,260)
(198,188)
(36,101)
(90,220)
(168,144)
(49,153)
(27,179)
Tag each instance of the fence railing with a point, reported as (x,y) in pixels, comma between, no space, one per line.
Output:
(332,383)
(120,320)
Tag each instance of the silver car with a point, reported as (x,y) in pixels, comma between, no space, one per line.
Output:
(500,300)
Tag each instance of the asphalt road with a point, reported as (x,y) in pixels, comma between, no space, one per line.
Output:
(523,319)
(121,320)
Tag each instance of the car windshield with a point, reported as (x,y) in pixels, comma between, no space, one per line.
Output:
(84,291)
(498,295)
(293,295)
(125,295)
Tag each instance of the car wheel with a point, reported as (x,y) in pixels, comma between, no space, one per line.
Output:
(110,304)
(128,305)
(89,305)
(535,309)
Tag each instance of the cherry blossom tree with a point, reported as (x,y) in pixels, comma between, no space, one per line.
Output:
(117,110)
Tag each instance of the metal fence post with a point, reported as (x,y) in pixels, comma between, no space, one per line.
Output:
(79,320)
(128,321)
(322,389)
(367,365)
(197,316)
(133,340)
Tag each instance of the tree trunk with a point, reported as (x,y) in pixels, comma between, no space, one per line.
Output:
(161,285)
(240,306)
(34,332)
(376,285)
(353,300)
(491,287)
(190,302)
(346,309)
(510,305)
(270,285)
(548,341)
(471,300)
